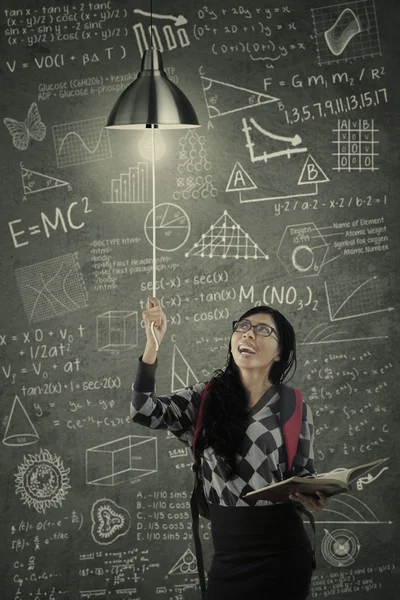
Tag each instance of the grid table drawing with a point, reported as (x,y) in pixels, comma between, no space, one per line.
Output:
(346,31)
(355,144)
(52,288)
(81,142)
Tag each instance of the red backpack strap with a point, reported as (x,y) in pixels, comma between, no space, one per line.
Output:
(199,421)
(291,418)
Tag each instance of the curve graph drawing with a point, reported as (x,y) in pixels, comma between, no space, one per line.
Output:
(356,297)
(81,142)
(52,288)
(346,31)
(346,26)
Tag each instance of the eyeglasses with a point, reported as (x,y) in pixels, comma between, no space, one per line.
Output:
(259,329)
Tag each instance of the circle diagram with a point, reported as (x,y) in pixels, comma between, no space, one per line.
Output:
(340,547)
(172,227)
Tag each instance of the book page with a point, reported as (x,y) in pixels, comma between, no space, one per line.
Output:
(351,475)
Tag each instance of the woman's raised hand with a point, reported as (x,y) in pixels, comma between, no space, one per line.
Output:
(154,313)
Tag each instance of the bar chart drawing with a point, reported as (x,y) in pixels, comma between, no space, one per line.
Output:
(131,187)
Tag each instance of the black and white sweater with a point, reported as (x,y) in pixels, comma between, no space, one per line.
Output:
(262,457)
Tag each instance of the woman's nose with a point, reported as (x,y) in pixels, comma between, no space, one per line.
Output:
(251,332)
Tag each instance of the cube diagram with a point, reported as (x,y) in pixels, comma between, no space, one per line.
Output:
(117,330)
(117,461)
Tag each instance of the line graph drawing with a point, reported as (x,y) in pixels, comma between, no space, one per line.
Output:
(326,333)
(182,373)
(355,145)
(223,98)
(351,510)
(294,141)
(346,31)
(172,227)
(52,288)
(355,298)
(34,182)
(311,174)
(81,142)
(226,239)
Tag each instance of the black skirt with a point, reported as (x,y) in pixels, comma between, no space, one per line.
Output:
(264,551)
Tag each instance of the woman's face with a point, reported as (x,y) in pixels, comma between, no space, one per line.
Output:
(255,351)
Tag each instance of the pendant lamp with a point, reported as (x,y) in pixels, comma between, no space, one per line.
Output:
(153,102)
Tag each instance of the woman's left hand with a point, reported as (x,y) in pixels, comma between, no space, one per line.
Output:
(311,503)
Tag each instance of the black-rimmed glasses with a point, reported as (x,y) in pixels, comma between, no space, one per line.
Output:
(259,329)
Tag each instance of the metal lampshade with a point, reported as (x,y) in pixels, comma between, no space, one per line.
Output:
(152,100)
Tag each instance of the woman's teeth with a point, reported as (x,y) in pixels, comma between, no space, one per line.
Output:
(246,351)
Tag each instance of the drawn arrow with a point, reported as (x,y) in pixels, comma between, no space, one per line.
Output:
(180,20)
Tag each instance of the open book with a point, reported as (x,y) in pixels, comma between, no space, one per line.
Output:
(330,484)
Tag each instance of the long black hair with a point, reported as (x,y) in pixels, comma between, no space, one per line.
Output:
(225,409)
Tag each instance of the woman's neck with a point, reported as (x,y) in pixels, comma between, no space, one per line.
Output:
(255,384)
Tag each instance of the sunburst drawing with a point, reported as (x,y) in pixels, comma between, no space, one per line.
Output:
(42,481)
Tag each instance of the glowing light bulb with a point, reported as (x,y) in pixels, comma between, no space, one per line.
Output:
(146,145)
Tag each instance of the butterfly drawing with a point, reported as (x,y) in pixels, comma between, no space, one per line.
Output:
(23,131)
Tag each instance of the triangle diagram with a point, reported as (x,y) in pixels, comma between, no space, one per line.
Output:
(312,172)
(34,182)
(20,430)
(182,374)
(225,98)
(226,239)
(185,565)
(240,180)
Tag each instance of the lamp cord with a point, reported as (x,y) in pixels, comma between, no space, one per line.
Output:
(153,178)
(151,23)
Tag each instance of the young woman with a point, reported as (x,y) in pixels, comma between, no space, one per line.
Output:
(262,549)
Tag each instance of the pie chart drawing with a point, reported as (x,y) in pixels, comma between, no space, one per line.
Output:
(172,227)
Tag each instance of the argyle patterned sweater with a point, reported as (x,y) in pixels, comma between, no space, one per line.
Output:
(262,457)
